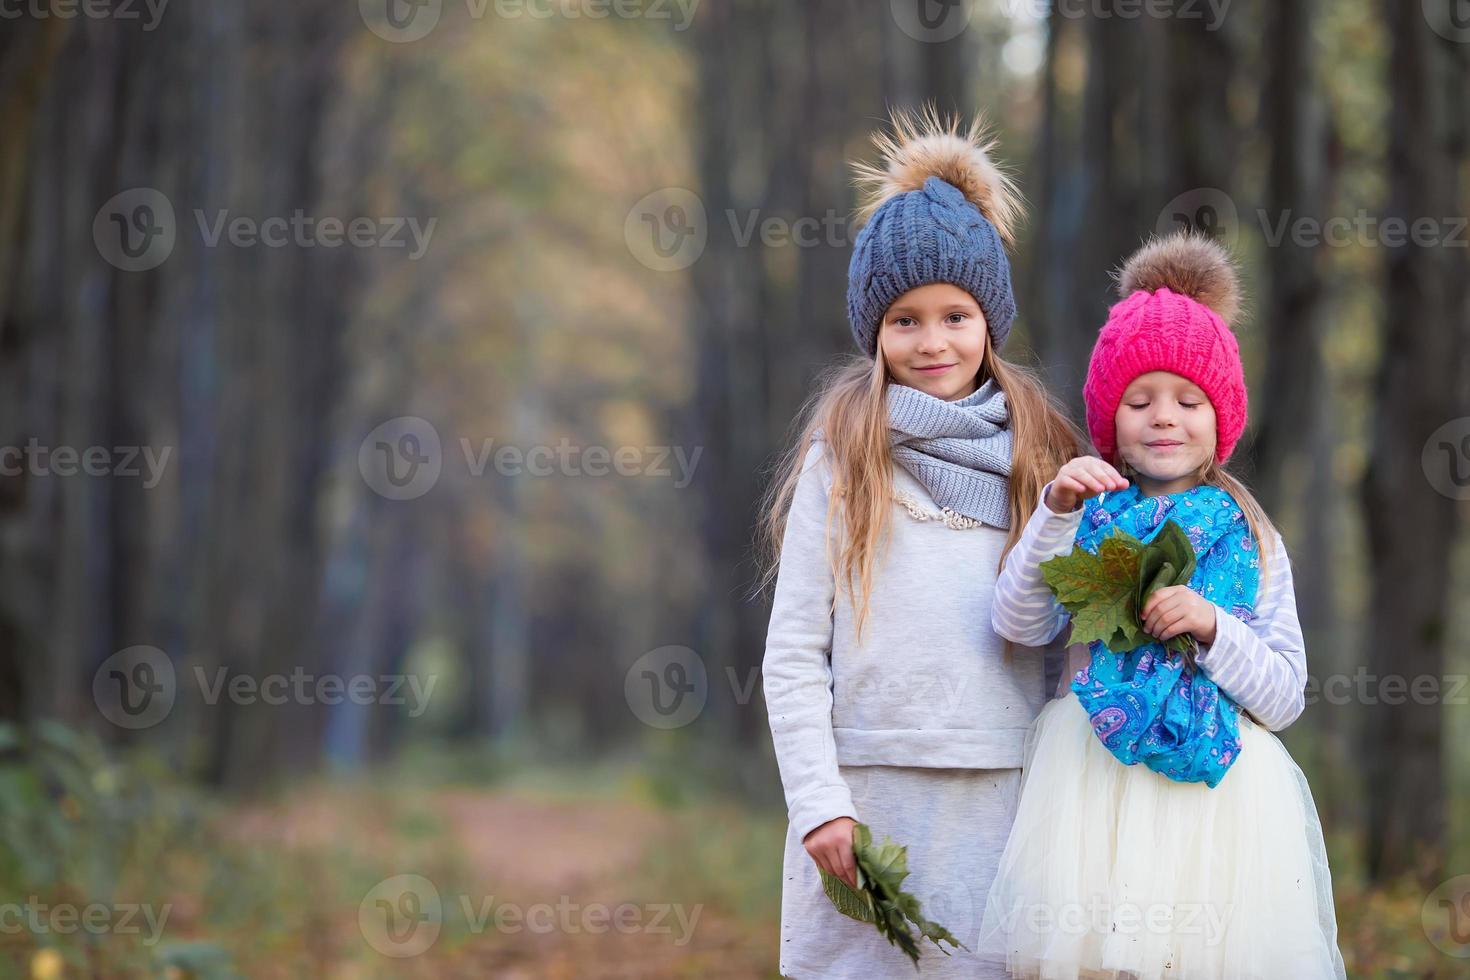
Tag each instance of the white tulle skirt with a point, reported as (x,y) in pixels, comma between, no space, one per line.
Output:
(1115,871)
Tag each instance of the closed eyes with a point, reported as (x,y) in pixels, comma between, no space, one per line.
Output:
(1142,405)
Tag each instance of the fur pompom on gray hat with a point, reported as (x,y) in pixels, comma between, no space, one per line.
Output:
(939,209)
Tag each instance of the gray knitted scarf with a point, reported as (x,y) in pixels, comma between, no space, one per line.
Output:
(960,451)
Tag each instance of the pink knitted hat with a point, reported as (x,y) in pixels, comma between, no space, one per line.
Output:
(1178,294)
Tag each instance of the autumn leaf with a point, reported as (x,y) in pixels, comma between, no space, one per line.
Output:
(1105,592)
(1100,590)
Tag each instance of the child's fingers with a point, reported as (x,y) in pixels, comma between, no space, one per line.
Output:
(1104,475)
(1116,480)
(1161,615)
(1173,626)
(1085,487)
(849,867)
(1165,594)
(1159,607)
(839,864)
(1110,477)
(1084,483)
(1171,619)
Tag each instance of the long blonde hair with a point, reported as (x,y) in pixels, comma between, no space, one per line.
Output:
(848,414)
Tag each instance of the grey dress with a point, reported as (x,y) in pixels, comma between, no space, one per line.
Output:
(917,731)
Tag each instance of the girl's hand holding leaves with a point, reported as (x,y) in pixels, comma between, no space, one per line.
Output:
(880,899)
(1108,592)
(1177,610)
(830,846)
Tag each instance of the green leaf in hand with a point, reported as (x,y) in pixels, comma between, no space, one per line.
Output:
(1168,560)
(880,898)
(853,904)
(1100,591)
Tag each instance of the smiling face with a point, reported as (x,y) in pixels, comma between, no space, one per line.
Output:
(933,338)
(1166,431)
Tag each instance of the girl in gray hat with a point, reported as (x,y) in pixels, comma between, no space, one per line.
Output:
(891,699)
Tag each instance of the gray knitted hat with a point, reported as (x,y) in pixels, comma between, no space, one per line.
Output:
(938,210)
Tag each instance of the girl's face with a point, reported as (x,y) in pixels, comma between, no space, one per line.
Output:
(1166,431)
(933,339)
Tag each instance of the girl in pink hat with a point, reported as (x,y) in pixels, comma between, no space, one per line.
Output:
(1163,831)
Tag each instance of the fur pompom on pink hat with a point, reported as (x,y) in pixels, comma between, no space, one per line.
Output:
(1178,296)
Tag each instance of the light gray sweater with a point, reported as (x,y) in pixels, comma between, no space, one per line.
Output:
(930,685)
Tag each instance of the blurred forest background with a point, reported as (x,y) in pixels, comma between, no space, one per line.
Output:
(279,282)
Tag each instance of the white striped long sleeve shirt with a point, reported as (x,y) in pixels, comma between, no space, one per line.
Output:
(1262,665)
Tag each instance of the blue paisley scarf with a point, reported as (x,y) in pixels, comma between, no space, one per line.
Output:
(1147,705)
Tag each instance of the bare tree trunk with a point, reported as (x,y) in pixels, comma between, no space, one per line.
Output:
(1408,520)
(1294,432)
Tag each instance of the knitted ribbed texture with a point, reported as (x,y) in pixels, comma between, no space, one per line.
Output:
(1164,331)
(926,236)
(960,451)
